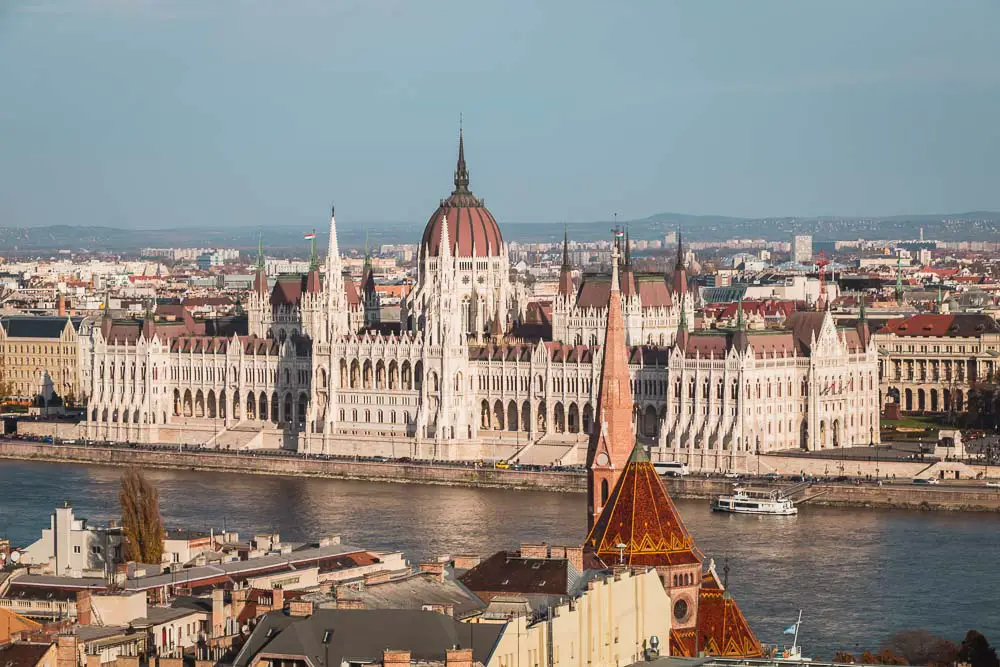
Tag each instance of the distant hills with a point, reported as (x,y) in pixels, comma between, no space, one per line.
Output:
(974,225)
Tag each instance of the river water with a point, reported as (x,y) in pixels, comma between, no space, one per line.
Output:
(858,574)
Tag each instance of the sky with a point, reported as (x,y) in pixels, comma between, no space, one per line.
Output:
(225,113)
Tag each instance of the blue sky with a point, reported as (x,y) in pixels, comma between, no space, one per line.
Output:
(161,113)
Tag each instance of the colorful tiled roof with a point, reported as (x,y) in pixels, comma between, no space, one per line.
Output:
(641,516)
(722,630)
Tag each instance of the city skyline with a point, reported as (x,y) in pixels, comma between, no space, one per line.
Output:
(140,115)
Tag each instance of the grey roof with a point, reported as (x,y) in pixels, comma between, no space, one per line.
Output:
(192,602)
(89,633)
(159,615)
(240,567)
(24,326)
(416,590)
(59,582)
(360,635)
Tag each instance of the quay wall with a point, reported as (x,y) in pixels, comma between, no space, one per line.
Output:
(958,497)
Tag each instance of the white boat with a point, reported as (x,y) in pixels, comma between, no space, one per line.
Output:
(754,501)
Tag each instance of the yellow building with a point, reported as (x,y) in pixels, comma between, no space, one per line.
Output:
(611,624)
(37,351)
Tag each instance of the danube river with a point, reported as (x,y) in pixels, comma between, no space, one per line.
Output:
(858,575)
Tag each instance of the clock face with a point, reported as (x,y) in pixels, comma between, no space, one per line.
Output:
(602,459)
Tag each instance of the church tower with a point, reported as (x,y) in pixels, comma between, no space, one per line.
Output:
(259,302)
(614,435)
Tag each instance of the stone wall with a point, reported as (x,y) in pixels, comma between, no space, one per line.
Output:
(969,497)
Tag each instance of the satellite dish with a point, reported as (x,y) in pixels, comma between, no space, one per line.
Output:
(15,556)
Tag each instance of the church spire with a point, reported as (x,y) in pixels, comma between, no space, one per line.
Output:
(680,271)
(614,435)
(313,258)
(566,272)
(260,276)
(461,170)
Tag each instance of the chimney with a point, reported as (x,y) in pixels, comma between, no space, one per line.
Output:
(61,305)
(94,660)
(575,556)
(239,597)
(66,651)
(218,612)
(394,658)
(350,603)
(558,553)
(277,599)
(437,569)
(466,561)
(458,657)
(300,608)
(446,609)
(534,550)
(127,661)
(380,577)
(84,608)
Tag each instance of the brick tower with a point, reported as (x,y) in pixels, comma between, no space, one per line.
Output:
(611,442)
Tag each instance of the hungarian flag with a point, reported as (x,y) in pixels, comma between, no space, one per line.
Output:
(310,236)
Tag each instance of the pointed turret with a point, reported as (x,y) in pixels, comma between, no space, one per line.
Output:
(461,170)
(864,333)
(260,275)
(369,294)
(680,281)
(682,331)
(313,283)
(566,271)
(899,280)
(148,321)
(613,435)
(333,283)
(740,339)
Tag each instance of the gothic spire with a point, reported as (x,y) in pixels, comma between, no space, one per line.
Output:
(565,262)
(461,171)
(566,272)
(612,439)
(313,259)
(260,251)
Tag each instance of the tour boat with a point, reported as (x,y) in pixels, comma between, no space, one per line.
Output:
(752,501)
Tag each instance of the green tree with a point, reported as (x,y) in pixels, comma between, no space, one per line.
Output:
(141,523)
(976,651)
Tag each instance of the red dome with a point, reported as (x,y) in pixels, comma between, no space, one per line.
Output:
(471,226)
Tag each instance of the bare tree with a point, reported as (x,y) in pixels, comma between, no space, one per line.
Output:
(141,523)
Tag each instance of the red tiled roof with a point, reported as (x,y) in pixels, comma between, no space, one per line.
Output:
(652,289)
(506,572)
(722,630)
(640,514)
(468,226)
(934,324)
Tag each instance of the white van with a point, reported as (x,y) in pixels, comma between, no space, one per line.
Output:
(671,468)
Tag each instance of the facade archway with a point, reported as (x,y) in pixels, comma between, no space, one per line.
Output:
(908,400)
(574,418)
(559,417)
(588,418)
(512,416)
(498,416)
(526,416)
(649,421)
(836,433)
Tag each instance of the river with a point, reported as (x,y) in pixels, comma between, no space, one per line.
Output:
(858,574)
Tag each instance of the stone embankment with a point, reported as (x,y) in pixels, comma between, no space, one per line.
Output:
(955,497)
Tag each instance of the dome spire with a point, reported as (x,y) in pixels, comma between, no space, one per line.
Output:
(461,171)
